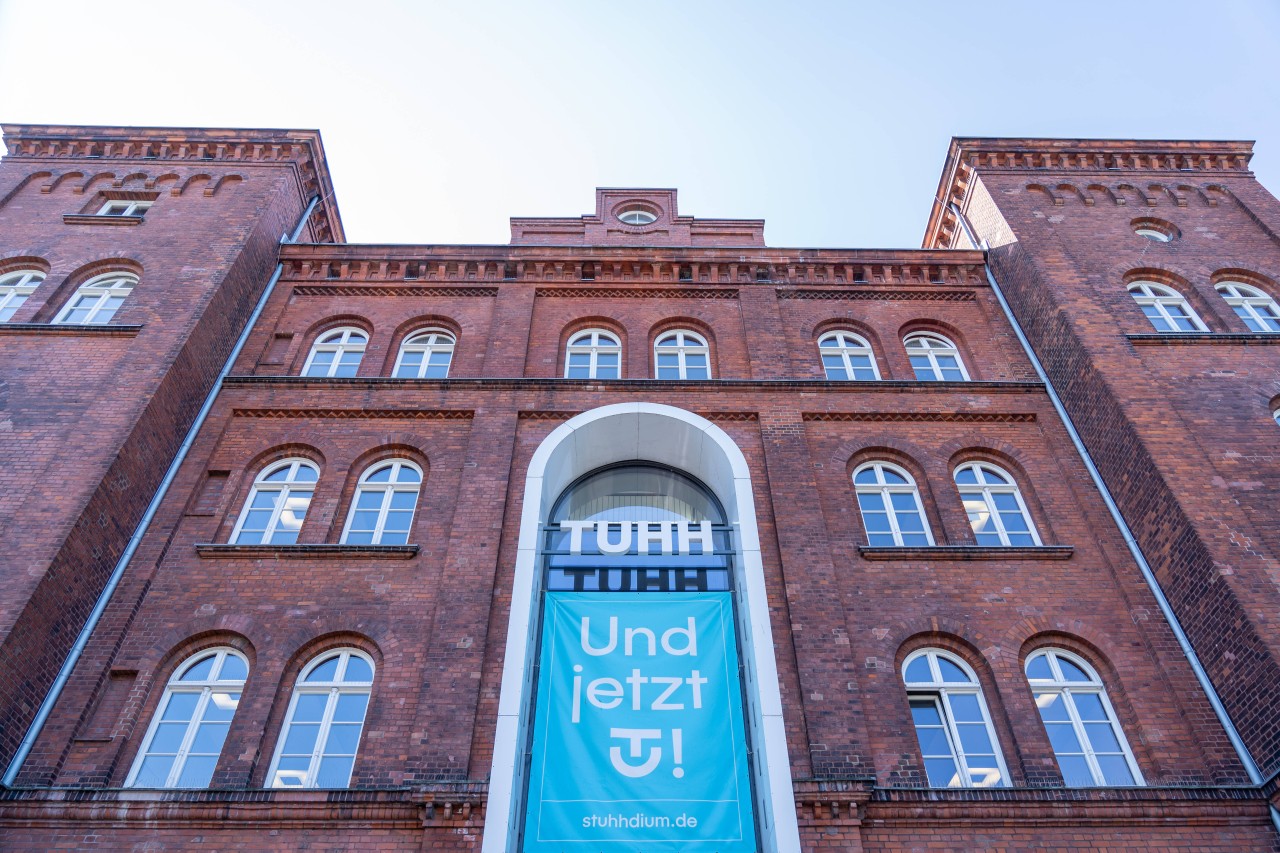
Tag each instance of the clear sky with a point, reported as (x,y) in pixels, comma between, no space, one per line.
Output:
(828,119)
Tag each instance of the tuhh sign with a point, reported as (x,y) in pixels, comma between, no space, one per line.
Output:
(638,739)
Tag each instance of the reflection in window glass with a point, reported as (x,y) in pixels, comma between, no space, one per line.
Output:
(321,736)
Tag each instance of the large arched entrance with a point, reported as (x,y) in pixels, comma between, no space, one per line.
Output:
(611,764)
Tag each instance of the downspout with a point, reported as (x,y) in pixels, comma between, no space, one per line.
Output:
(1251,767)
(104,598)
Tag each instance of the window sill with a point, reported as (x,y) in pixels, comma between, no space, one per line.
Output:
(217,551)
(107,329)
(94,219)
(1210,338)
(966,552)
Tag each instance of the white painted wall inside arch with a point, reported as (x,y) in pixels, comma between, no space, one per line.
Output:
(654,433)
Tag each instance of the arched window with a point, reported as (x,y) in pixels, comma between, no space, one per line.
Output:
(425,355)
(15,287)
(1165,308)
(317,747)
(681,354)
(995,507)
(382,510)
(98,299)
(957,741)
(1088,742)
(1257,309)
(190,725)
(890,506)
(593,354)
(278,504)
(847,356)
(336,353)
(934,358)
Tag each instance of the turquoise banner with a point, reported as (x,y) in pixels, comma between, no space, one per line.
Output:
(638,732)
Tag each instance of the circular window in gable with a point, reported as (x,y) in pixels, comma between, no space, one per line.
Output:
(637,216)
(1156,230)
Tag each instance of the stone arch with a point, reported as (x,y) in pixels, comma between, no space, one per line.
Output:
(664,434)
(1105,191)
(1049,194)
(59,181)
(89,184)
(1072,189)
(224,181)
(185,185)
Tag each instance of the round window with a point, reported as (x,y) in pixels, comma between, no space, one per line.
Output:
(1156,230)
(638,216)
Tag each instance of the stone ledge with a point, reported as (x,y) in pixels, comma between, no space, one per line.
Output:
(516,382)
(966,552)
(214,551)
(95,219)
(1204,338)
(99,329)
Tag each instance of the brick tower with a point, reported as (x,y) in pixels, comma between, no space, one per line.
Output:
(133,259)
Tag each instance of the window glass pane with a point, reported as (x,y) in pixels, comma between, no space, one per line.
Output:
(974,740)
(965,706)
(221,706)
(209,738)
(1053,707)
(1102,737)
(382,475)
(233,669)
(181,706)
(403,500)
(942,773)
(1075,771)
(1063,737)
(1071,672)
(954,674)
(866,475)
(291,772)
(301,739)
(358,669)
(909,522)
(310,706)
(168,738)
(202,670)
(326,671)
(918,671)
(335,772)
(925,713)
(933,741)
(983,771)
(1115,770)
(343,739)
(154,771)
(893,478)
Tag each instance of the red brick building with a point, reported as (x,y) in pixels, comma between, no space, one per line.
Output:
(329,630)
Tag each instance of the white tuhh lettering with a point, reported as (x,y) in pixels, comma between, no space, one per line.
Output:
(616,537)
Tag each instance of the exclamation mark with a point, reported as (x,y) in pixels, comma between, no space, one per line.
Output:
(677,751)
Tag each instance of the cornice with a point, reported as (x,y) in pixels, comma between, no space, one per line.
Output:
(357,414)
(925,417)
(391,290)
(95,147)
(966,553)
(1104,159)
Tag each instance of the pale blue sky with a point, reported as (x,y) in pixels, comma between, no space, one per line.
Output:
(829,120)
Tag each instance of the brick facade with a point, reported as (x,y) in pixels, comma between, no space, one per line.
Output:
(433,616)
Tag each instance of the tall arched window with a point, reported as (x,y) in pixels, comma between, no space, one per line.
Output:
(935,358)
(382,510)
(278,504)
(890,506)
(593,354)
(186,734)
(336,353)
(1090,745)
(425,355)
(98,299)
(681,354)
(847,356)
(317,747)
(996,511)
(15,287)
(957,740)
(1165,308)
(1256,308)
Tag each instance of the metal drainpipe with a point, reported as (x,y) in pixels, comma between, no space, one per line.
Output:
(104,598)
(1255,775)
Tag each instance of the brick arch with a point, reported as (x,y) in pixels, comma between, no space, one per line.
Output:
(320,327)
(1209,312)
(224,181)
(179,189)
(907,457)
(947,330)
(89,184)
(858,327)
(693,324)
(325,638)
(237,491)
(403,445)
(120,182)
(1049,194)
(592,321)
(1146,200)
(1068,189)
(1243,275)
(13,263)
(54,302)
(168,178)
(1008,457)
(415,324)
(1105,191)
(60,180)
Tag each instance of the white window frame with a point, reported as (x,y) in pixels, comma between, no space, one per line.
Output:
(1162,297)
(1252,305)
(205,689)
(389,488)
(886,490)
(988,491)
(934,345)
(333,689)
(15,287)
(427,342)
(598,341)
(339,342)
(847,344)
(686,343)
(1060,686)
(124,207)
(283,490)
(637,216)
(941,692)
(101,290)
